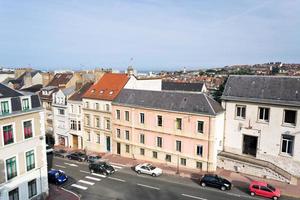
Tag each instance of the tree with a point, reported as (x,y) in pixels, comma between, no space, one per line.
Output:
(217,94)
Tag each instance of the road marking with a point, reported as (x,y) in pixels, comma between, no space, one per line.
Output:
(93,178)
(148,186)
(86,182)
(100,175)
(194,197)
(84,171)
(71,164)
(118,167)
(117,164)
(79,186)
(232,194)
(60,166)
(117,179)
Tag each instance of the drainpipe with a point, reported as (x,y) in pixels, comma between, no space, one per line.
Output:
(208,146)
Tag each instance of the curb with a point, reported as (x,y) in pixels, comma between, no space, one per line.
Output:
(78,196)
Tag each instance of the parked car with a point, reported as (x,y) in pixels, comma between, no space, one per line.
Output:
(147,168)
(215,181)
(81,157)
(60,153)
(57,176)
(93,158)
(263,189)
(101,167)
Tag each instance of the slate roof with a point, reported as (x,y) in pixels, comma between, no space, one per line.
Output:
(188,102)
(280,90)
(77,96)
(192,87)
(33,88)
(60,79)
(108,87)
(8,92)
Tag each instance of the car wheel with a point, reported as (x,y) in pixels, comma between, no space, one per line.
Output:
(153,174)
(252,194)
(105,173)
(275,198)
(138,171)
(92,171)
(203,184)
(223,188)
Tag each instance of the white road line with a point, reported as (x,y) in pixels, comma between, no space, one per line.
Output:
(194,197)
(79,186)
(148,186)
(232,194)
(117,179)
(93,178)
(100,175)
(118,167)
(71,164)
(60,166)
(86,182)
(84,171)
(117,164)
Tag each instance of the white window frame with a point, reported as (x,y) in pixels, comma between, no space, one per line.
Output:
(17,163)
(14,133)
(35,159)
(33,128)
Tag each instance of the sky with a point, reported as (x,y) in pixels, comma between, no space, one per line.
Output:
(148,34)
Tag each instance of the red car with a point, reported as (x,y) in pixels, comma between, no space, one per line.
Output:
(263,189)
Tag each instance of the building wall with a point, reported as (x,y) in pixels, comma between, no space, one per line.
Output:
(76,113)
(143,84)
(269,134)
(4,76)
(188,136)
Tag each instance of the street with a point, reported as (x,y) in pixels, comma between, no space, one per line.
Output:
(126,184)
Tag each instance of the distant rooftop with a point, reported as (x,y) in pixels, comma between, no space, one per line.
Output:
(179,86)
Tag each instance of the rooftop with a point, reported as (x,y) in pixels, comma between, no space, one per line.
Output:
(60,79)
(191,87)
(77,96)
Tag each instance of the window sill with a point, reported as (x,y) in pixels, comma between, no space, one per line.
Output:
(285,155)
(288,125)
(240,118)
(262,122)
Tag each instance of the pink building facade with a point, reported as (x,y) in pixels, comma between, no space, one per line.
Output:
(148,129)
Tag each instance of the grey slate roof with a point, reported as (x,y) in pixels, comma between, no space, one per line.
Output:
(192,87)
(8,92)
(280,90)
(188,102)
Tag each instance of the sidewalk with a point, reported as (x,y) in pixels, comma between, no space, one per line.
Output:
(58,193)
(240,181)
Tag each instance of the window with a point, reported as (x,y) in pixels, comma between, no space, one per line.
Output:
(199,165)
(73,125)
(241,112)
(98,138)
(87,105)
(290,117)
(168,158)
(14,194)
(72,108)
(107,107)
(97,122)
(159,120)
(25,104)
(159,141)
(178,145)
(142,152)
(118,114)
(142,118)
(87,120)
(88,136)
(199,150)
(178,123)
(32,188)
(79,125)
(263,114)
(27,129)
(154,154)
(127,148)
(97,106)
(127,135)
(4,107)
(183,161)
(79,109)
(118,133)
(8,134)
(255,186)
(265,189)
(287,144)
(107,124)
(61,111)
(30,161)
(11,168)
(200,126)
(142,138)
(127,115)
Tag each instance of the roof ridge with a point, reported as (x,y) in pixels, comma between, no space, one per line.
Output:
(209,104)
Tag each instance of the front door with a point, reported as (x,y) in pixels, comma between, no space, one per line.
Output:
(118,148)
(107,143)
(75,141)
(250,145)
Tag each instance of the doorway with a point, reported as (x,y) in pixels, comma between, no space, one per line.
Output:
(118,148)
(108,143)
(75,141)
(250,145)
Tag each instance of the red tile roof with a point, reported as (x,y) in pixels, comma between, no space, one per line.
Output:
(108,87)
(60,79)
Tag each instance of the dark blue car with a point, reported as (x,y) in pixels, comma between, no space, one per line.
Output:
(57,176)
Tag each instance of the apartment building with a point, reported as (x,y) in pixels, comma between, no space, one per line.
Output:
(262,125)
(177,128)
(75,105)
(97,111)
(23,163)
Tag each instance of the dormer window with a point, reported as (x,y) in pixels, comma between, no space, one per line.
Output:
(4,107)
(93,90)
(25,104)
(101,91)
(111,92)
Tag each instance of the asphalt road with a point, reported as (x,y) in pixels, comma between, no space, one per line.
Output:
(125,184)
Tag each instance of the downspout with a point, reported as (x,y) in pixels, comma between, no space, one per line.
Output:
(208,146)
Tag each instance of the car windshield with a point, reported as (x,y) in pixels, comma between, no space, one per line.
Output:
(106,165)
(151,167)
(271,187)
(58,174)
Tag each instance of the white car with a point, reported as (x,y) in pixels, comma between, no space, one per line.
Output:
(147,168)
